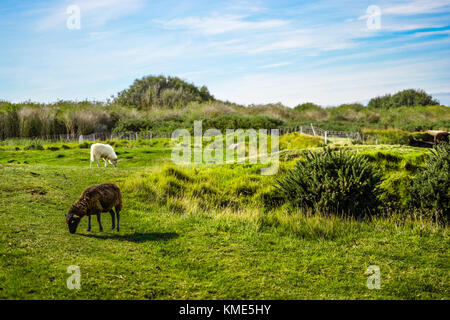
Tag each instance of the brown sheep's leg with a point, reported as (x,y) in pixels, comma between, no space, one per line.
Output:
(99,222)
(113,220)
(89,224)
(118,218)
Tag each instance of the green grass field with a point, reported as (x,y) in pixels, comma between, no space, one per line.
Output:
(178,247)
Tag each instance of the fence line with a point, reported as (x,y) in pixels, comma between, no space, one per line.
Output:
(149,135)
(316,131)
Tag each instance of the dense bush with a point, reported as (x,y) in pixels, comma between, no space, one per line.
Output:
(229,121)
(156,126)
(163,92)
(332,182)
(409,97)
(307,106)
(430,188)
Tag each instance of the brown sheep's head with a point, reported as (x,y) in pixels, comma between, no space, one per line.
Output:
(72,220)
(114,162)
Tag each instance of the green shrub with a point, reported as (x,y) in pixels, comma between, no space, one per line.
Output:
(161,91)
(85,145)
(394,189)
(424,136)
(271,198)
(430,188)
(53,148)
(332,182)
(409,97)
(34,146)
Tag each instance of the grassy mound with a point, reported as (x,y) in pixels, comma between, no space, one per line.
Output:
(297,140)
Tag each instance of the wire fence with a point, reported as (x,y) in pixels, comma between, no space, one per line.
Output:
(149,135)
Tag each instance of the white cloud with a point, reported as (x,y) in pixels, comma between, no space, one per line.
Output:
(93,12)
(216,24)
(331,86)
(275,65)
(432,33)
(416,7)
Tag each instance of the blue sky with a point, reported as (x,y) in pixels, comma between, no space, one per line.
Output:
(243,51)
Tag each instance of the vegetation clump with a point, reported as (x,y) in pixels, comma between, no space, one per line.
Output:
(409,98)
(431,186)
(332,182)
(295,140)
(163,92)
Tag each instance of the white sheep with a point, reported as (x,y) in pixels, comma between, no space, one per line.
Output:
(105,152)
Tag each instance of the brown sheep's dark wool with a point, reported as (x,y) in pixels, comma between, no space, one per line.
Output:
(94,200)
(441,137)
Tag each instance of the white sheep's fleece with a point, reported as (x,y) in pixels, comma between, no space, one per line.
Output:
(103,151)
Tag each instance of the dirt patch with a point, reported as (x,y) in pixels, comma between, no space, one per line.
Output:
(36,191)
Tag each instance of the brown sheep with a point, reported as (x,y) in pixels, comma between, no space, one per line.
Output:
(441,136)
(95,200)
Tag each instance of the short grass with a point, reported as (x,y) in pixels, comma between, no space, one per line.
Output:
(197,253)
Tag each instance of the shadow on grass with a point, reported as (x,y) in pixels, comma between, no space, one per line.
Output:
(135,237)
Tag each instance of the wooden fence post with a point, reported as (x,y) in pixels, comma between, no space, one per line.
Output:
(314,132)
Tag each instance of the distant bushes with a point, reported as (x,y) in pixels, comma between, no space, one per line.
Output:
(40,120)
(162,92)
(430,188)
(409,97)
(332,182)
(152,103)
(157,126)
(231,121)
(221,122)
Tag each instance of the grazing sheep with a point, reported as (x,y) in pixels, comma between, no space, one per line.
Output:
(95,200)
(441,137)
(105,152)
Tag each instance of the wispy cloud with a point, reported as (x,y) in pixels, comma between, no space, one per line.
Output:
(275,65)
(416,7)
(93,13)
(243,50)
(218,24)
